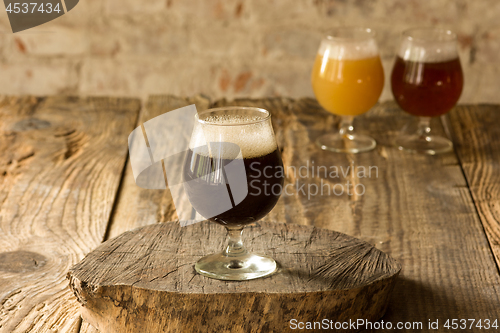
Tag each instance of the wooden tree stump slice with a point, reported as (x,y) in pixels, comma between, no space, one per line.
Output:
(144,280)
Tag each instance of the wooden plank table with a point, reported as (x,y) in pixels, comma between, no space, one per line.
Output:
(66,187)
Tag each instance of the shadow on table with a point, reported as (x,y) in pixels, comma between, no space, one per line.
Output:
(414,302)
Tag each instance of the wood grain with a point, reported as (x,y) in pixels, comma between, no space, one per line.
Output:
(60,167)
(133,281)
(87,328)
(416,208)
(136,206)
(476,136)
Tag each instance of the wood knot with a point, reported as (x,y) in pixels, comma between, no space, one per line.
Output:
(21,261)
(30,124)
(74,140)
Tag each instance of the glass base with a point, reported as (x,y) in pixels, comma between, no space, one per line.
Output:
(245,267)
(346,143)
(429,144)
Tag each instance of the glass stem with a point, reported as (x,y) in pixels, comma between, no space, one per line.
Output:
(424,128)
(235,246)
(346,130)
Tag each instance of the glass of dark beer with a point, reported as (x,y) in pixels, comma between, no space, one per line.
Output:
(233,175)
(426,81)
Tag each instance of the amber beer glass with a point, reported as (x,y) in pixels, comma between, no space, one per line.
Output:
(426,82)
(233,175)
(347,80)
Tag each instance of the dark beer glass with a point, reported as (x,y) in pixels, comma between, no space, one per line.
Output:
(426,81)
(233,175)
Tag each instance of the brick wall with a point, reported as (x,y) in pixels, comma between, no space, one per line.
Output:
(227,48)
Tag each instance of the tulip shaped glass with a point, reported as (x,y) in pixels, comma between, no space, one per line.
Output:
(233,175)
(426,82)
(347,80)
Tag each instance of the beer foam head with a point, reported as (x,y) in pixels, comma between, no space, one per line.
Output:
(428,45)
(340,49)
(250,135)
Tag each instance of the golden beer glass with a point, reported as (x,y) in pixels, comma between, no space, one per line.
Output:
(347,80)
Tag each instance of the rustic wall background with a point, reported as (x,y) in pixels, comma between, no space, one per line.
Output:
(228,48)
